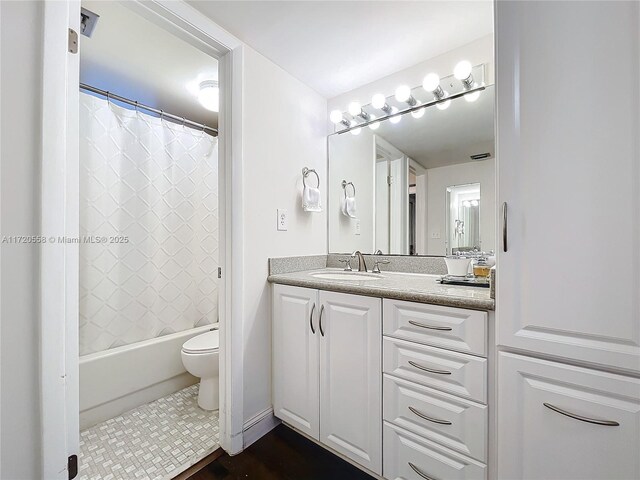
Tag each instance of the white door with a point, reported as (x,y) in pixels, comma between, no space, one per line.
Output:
(558,421)
(569,171)
(295,357)
(351,377)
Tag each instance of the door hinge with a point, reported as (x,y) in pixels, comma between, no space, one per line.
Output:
(389,179)
(72,466)
(219,272)
(73,41)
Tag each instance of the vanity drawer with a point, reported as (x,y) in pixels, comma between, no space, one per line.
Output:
(409,457)
(452,328)
(449,420)
(457,373)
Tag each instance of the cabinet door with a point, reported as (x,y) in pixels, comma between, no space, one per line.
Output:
(295,358)
(569,169)
(536,442)
(351,377)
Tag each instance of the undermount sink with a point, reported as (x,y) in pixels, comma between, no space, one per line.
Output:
(352,276)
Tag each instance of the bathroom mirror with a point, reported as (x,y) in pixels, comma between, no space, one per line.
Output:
(417,186)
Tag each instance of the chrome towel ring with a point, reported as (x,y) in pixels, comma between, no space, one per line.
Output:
(305,173)
(345,184)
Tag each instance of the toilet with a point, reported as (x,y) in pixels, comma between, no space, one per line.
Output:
(200,359)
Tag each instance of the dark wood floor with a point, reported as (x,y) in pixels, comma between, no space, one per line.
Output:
(282,454)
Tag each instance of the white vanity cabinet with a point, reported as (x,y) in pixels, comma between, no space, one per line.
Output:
(568,282)
(326,369)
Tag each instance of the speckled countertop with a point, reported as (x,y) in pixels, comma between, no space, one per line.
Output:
(400,286)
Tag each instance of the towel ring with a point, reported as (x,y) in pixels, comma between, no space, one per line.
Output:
(305,173)
(345,184)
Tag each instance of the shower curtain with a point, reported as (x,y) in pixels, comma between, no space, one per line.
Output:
(148,225)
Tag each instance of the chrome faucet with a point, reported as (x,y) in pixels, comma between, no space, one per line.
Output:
(362,267)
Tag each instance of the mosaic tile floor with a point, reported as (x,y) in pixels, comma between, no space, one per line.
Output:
(152,442)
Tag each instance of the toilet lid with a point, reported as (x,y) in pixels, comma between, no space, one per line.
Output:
(203,343)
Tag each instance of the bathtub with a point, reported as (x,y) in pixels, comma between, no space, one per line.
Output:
(122,378)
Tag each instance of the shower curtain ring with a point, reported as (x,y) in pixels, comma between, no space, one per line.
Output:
(136,106)
(161,114)
(108,99)
(183,121)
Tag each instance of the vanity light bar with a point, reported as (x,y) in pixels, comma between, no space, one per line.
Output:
(403,94)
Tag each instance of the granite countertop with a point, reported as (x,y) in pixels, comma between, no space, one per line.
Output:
(412,287)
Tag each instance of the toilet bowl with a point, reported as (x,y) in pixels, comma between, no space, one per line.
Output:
(200,359)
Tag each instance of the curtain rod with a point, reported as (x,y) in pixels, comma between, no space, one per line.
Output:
(163,114)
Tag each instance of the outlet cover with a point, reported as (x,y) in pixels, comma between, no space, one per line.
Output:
(283,221)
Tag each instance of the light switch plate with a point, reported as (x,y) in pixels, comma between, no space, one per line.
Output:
(283,221)
(435,235)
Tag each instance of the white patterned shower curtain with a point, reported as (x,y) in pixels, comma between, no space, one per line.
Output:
(151,188)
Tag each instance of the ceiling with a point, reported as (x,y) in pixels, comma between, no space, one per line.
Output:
(336,46)
(134,58)
(445,137)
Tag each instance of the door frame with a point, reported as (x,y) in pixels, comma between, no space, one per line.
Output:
(59,288)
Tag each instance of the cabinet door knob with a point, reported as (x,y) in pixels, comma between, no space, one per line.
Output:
(320,321)
(311,319)
(420,472)
(427,369)
(426,417)
(606,423)
(430,327)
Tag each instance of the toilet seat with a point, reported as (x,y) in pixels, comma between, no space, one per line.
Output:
(204,343)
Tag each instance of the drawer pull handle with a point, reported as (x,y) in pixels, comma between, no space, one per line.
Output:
(607,423)
(434,420)
(430,327)
(313,330)
(430,370)
(419,472)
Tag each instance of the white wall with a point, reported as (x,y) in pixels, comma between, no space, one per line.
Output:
(353,159)
(479,51)
(438,179)
(21,69)
(284,130)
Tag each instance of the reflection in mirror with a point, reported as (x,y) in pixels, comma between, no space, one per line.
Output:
(463,218)
(418,182)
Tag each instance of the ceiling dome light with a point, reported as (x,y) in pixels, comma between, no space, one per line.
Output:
(336,116)
(354,109)
(379,101)
(374,125)
(397,118)
(462,70)
(208,96)
(473,96)
(443,105)
(419,113)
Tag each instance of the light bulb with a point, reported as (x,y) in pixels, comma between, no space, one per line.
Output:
(443,105)
(431,82)
(335,116)
(462,70)
(395,119)
(209,95)
(473,96)
(374,125)
(356,131)
(418,113)
(474,203)
(466,203)
(378,101)
(354,108)
(403,93)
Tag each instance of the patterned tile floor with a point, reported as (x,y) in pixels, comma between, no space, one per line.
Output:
(152,442)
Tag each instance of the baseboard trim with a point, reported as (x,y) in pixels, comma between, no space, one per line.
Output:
(258,426)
